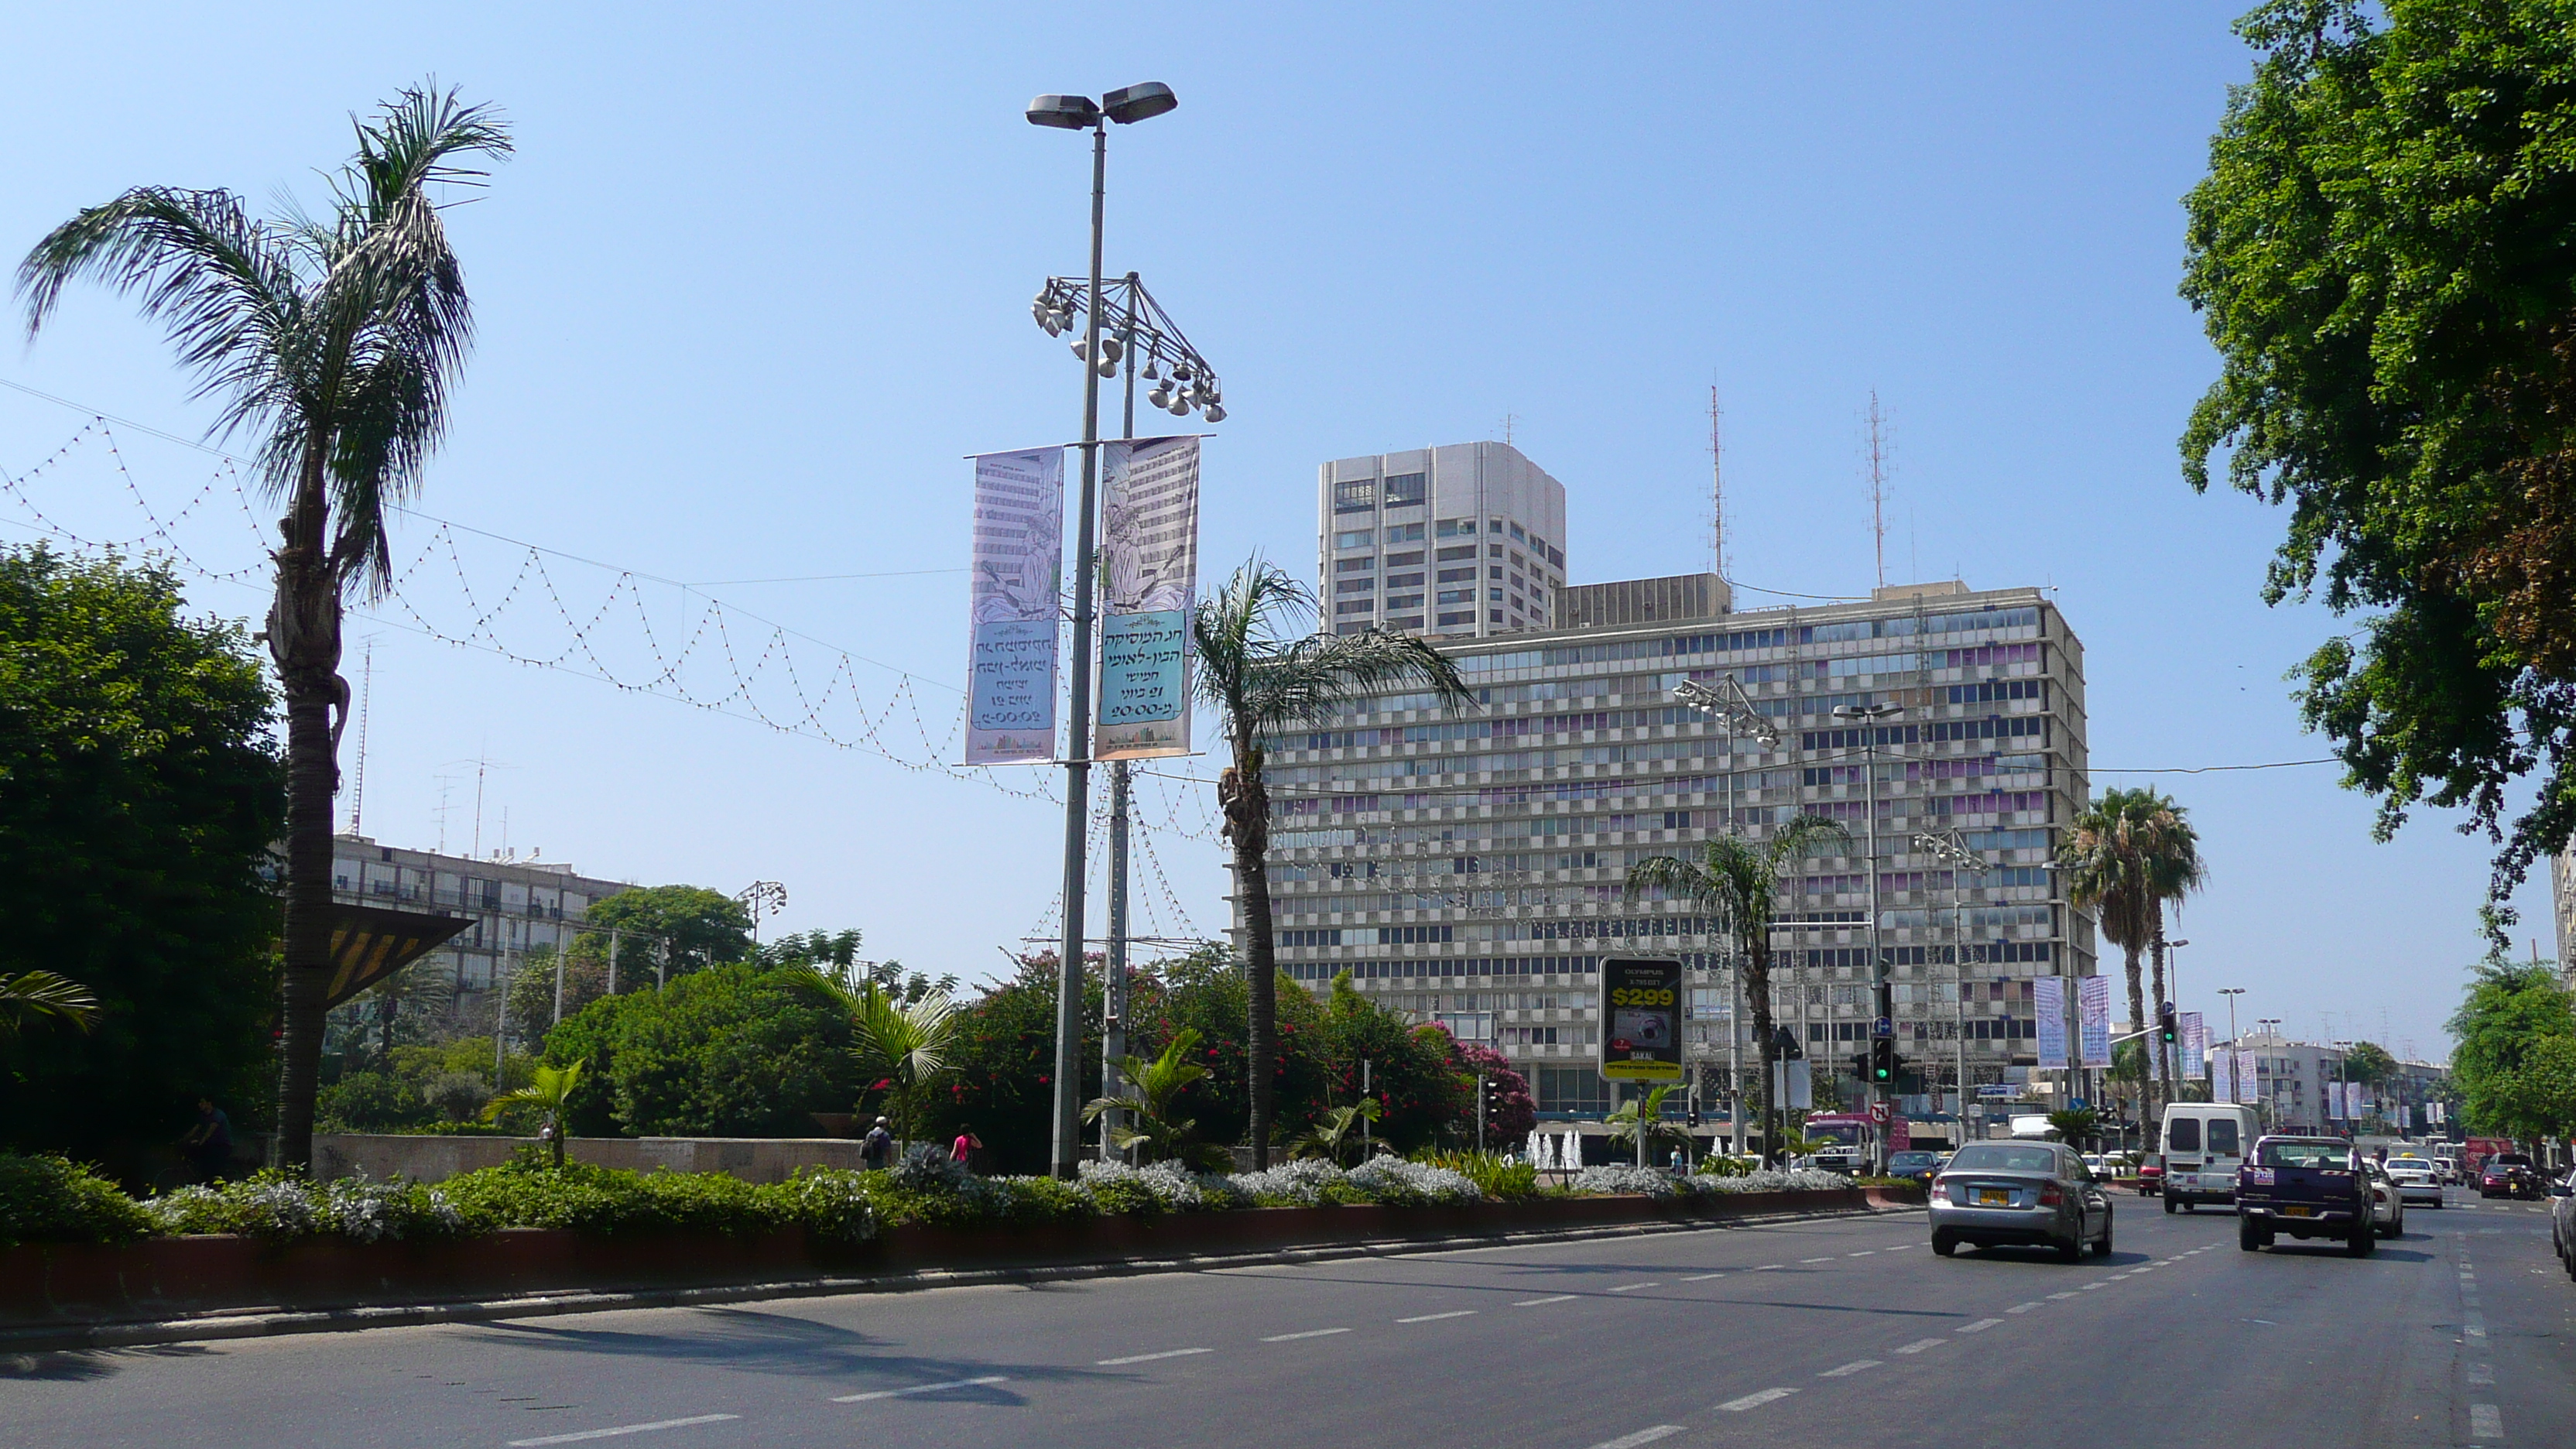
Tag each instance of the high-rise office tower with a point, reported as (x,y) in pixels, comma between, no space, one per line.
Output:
(1462,541)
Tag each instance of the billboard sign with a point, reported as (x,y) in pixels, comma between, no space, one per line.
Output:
(1149,562)
(1014,607)
(1641,1019)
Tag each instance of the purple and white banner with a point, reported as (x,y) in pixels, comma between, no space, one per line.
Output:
(2222,1075)
(2195,1047)
(2048,1010)
(1013,612)
(2093,998)
(1149,567)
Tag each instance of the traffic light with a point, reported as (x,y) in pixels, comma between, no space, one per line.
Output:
(2165,1023)
(1882,1063)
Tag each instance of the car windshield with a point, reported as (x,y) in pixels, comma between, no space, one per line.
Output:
(2509,1159)
(1986,1157)
(2335,1155)
(1904,1160)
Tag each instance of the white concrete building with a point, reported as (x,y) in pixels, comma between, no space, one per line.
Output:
(1463,541)
(1467,866)
(515,903)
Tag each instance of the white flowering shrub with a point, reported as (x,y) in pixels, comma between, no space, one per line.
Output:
(1627,1177)
(366,1212)
(1397,1182)
(832,1206)
(1300,1183)
(1172,1188)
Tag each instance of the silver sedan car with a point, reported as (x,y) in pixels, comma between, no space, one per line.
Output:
(1994,1194)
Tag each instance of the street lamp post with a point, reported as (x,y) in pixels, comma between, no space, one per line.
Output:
(1080,113)
(1869,716)
(1734,709)
(1951,849)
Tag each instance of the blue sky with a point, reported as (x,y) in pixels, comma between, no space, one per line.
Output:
(757,280)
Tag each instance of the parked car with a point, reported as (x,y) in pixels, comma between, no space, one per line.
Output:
(2204,1144)
(1915,1167)
(2307,1187)
(1996,1194)
(2562,1221)
(2387,1208)
(2418,1179)
(2509,1174)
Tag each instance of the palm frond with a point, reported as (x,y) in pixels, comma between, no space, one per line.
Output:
(44,993)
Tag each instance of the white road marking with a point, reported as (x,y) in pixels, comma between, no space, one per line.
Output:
(1980,1326)
(930,1388)
(2061,1295)
(2022,1307)
(2485,1422)
(2089,1287)
(654,1427)
(1642,1436)
(1863,1253)
(1754,1401)
(2482,1374)
(1150,1357)
(1436,1317)
(1855,1366)
(1534,1302)
(1767,1268)
(1702,1277)
(1309,1333)
(1920,1344)
(1802,1262)
(1633,1287)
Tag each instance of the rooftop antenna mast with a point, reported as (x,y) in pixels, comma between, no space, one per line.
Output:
(358,784)
(1716,488)
(1878,486)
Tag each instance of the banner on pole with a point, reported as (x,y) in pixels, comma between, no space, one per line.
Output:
(2093,999)
(2195,1047)
(2222,1075)
(2048,1008)
(1149,564)
(1013,607)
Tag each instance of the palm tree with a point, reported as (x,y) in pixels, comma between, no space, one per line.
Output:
(1338,1131)
(1150,1127)
(335,341)
(1264,683)
(901,1041)
(2125,857)
(550,1094)
(43,993)
(1739,882)
(1650,1110)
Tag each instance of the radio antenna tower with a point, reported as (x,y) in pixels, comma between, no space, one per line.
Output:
(358,785)
(1716,488)
(1878,486)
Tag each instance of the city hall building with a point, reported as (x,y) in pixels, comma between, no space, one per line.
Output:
(1467,865)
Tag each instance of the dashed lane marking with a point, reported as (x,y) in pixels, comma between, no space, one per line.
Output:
(1863,1253)
(1754,1401)
(1802,1262)
(2061,1295)
(1309,1333)
(1642,1436)
(2089,1287)
(1633,1287)
(1150,1357)
(929,1388)
(2021,1308)
(623,1429)
(1980,1326)
(1535,1302)
(2482,1375)
(1768,1268)
(1702,1277)
(1920,1344)
(1436,1317)
(2485,1422)
(1847,1370)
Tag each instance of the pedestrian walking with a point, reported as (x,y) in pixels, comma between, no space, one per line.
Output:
(877,1150)
(208,1145)
(963,1149)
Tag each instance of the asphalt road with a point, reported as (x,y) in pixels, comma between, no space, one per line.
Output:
(1822,1333)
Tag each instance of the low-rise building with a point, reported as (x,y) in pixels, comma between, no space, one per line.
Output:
(515,903)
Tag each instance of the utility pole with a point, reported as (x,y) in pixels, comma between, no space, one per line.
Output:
(1882,1005)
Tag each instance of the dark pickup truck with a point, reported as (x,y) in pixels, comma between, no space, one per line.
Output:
(2308,1187)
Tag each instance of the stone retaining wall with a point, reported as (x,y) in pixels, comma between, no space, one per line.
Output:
(435,1159)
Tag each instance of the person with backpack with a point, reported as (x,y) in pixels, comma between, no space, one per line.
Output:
(877,1149)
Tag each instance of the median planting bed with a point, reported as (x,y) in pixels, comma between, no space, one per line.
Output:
(73,1249)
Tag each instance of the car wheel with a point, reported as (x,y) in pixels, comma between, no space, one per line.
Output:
(2072,1250)
(2170,1205)
(2104,1247)
(2249,1237)
(2364,1238)
(2190,1206)
(1944,1244)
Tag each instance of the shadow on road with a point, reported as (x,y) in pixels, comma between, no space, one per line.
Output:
(81,1365)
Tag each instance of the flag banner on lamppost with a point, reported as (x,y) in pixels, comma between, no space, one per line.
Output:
(2195,1046)
(2222,1075)
(2093,1003)
(1149,565)
(1014,607)
(2048,1010)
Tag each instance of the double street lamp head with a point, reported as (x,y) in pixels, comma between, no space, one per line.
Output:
(1126,105)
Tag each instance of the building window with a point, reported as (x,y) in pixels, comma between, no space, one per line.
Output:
(1355,497)
(1468,1025)
(1404,488)
(1469,617)
(1459,596)
(1404,533)
(1353,565)
(1457,576)
(1356,538)
(1457,527)
(1404,601)
(1572,1089)
(1516,533)
(1355,606)
(1354,586)
(1412,622)
(1494,596)
(1493,616)
(1453,555)
(1556,558)
(1493,550)
(1399,560)
(1404,581)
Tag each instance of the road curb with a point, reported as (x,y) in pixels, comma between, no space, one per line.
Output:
(215,1327)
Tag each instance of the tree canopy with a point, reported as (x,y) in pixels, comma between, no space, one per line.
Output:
(2380,251)
(140,789)
(699,927)
(2515,1062)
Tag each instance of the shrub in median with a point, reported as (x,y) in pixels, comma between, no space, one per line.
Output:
(56,1200)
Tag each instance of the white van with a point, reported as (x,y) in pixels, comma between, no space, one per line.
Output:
(2204,1144)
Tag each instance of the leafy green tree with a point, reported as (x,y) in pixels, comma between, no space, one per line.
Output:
(335,339)
(677,927)
(1152,1127)
(1261,683)
(2503,1064)
(139,794)
(1368,1051)
(1739,882)
(550,1095)
(903,1044)
(2127,856)
(2380,254)
(531,1004)
(730,1051)
(2078,1127)
(2369,1062)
